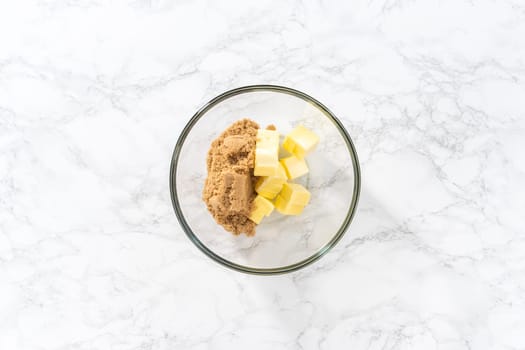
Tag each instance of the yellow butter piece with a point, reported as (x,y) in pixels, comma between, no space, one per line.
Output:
(270,137)
(300,141)
(292,199)
(261,207)
(294,167)
(269,186)
(295,194)
(266,153)
(281,172)
(285,208)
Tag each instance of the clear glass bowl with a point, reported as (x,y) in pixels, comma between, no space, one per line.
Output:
(282,243)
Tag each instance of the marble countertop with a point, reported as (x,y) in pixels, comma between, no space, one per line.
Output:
(93,95)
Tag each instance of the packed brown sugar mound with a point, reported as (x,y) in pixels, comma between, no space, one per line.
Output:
(228,190)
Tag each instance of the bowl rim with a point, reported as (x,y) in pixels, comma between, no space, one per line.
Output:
(247,269)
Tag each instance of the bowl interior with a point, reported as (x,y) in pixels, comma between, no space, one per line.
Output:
(282,243)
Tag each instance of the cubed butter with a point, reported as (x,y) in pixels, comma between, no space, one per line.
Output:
(261,207)
(266,153)
(294,167)
(295,194)
(270,186)
(292,199)
(285,208)
(300,141)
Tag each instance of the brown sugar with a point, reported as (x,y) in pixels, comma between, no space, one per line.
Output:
(228,190)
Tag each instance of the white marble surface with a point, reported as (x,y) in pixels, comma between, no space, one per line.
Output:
(93,95)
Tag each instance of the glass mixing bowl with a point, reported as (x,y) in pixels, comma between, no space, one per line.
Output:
(282,243)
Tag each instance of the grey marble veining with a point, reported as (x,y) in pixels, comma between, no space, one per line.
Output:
(94,94)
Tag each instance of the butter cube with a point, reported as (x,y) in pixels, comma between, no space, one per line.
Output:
(266,153)
(270,186)
(294,167)
(300,141)
(261,207)
(286,208)
(292,199)
(295,194)
(266,136)
(281,173)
